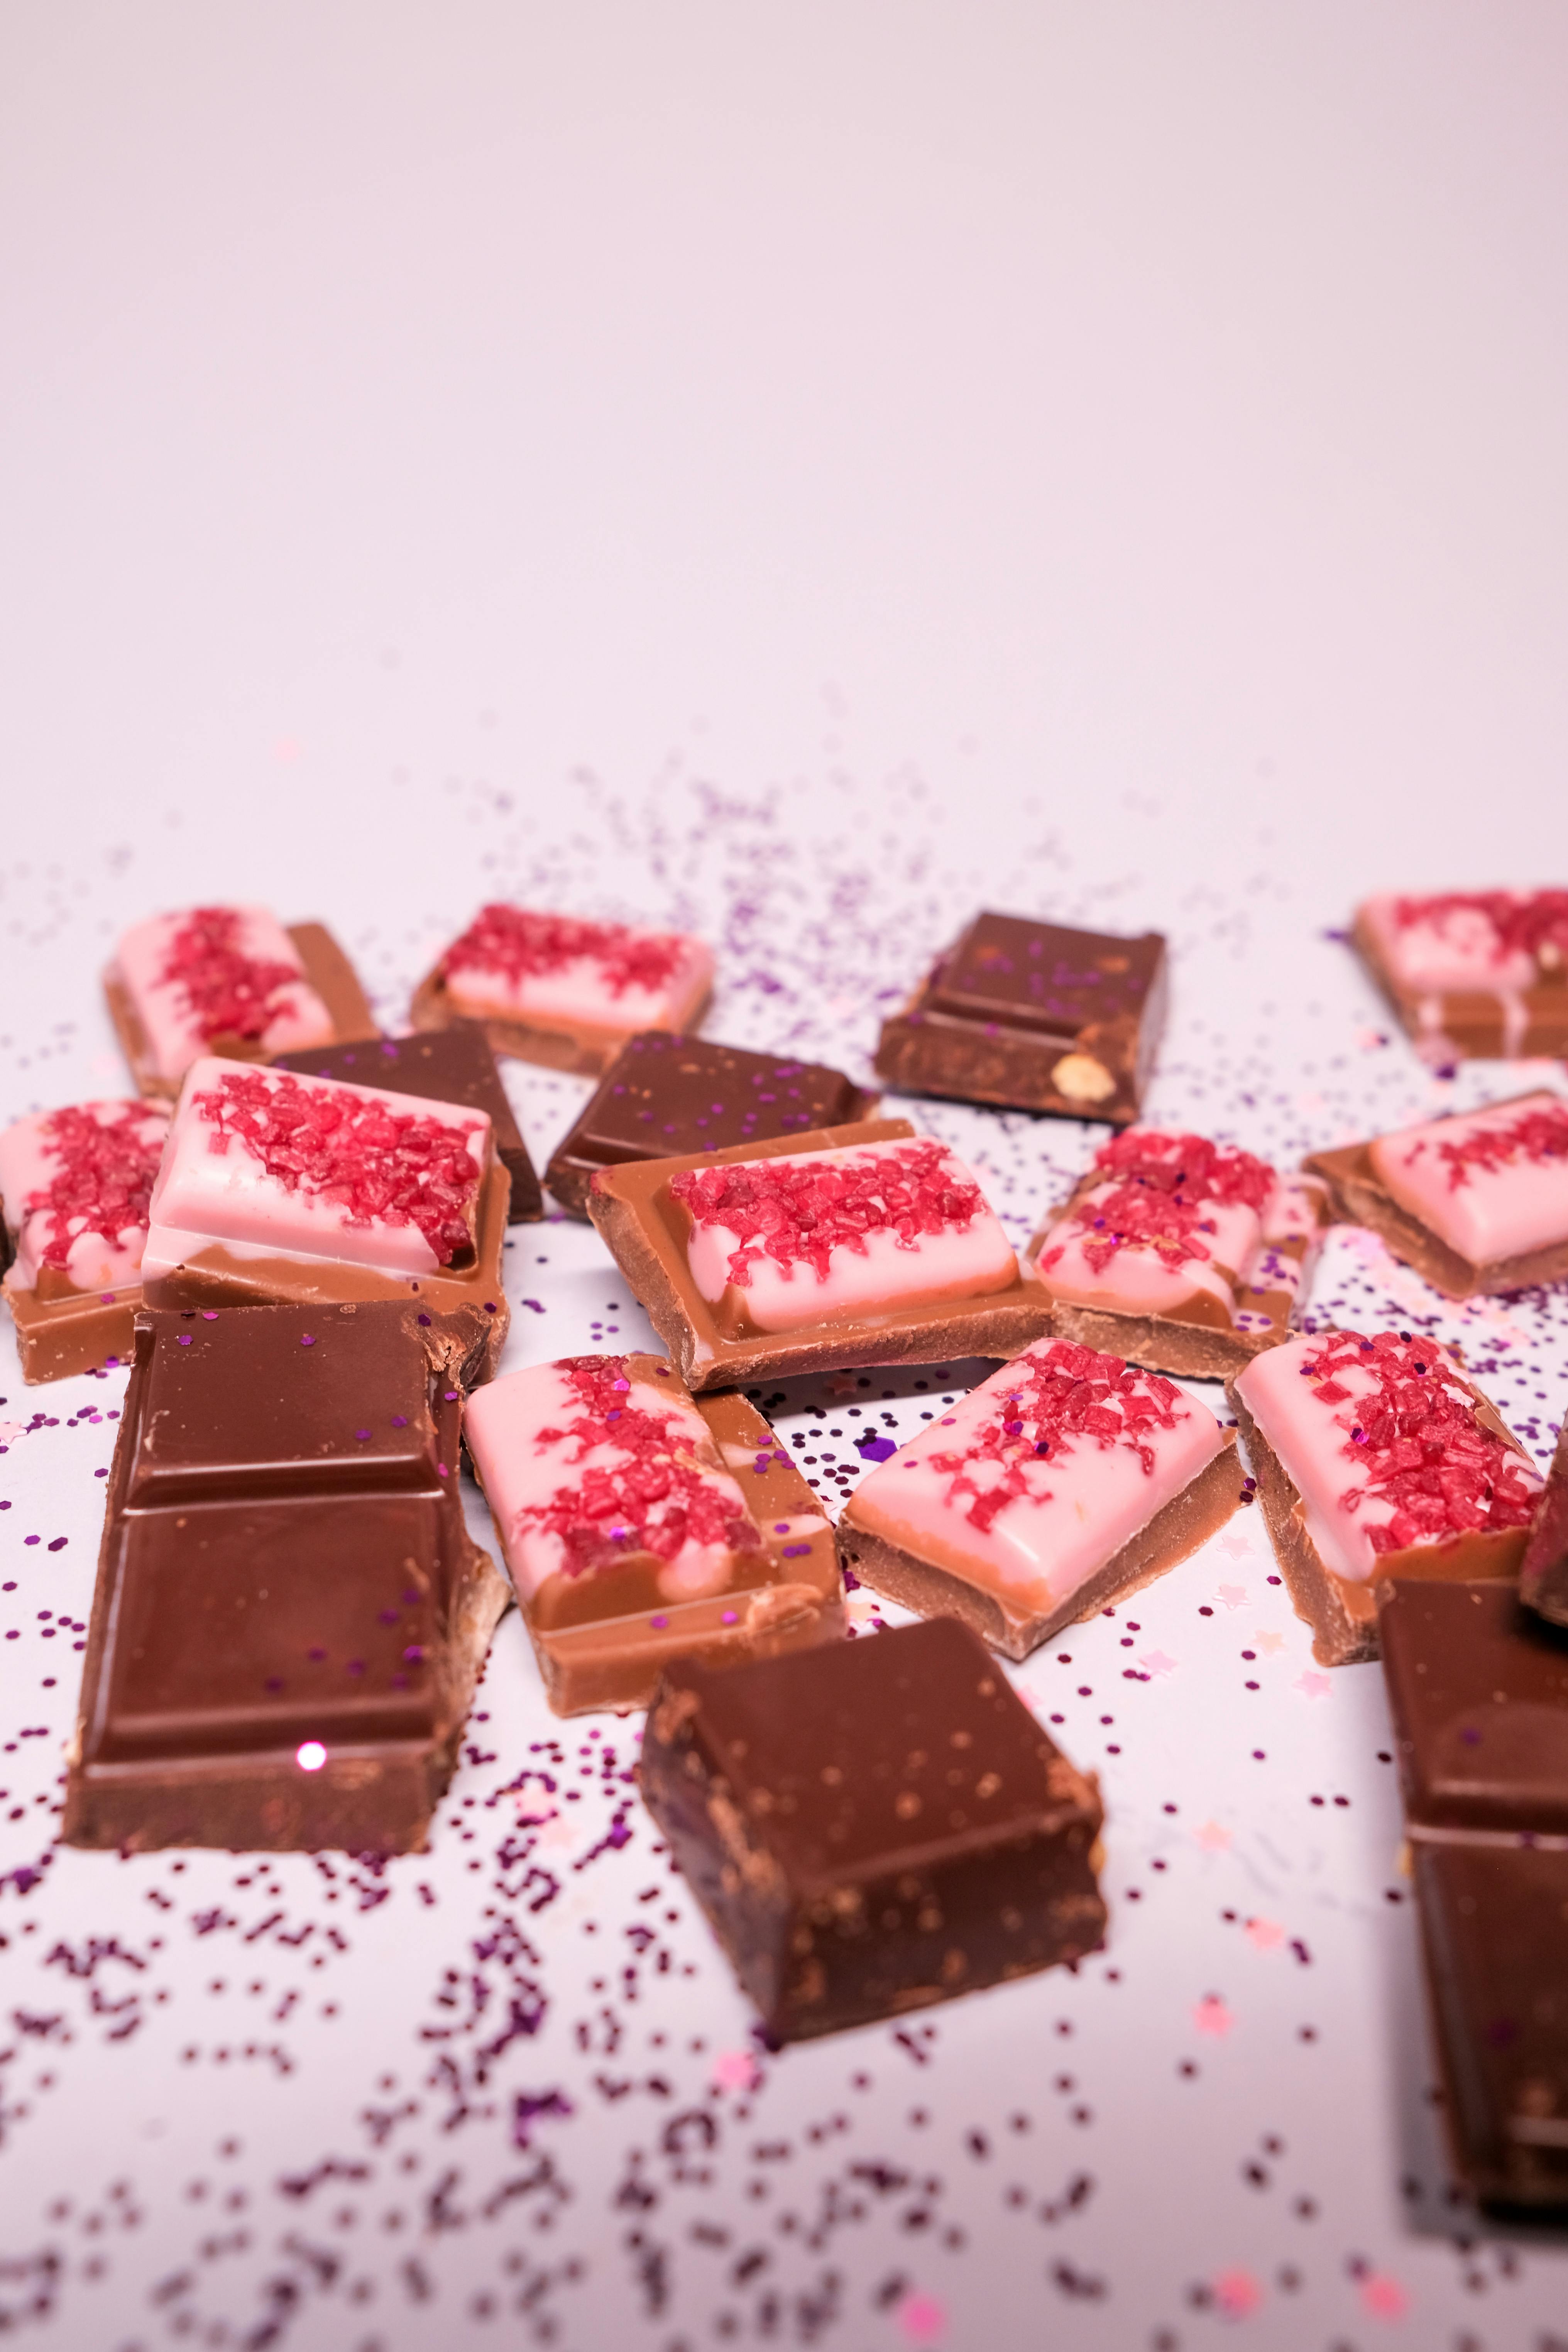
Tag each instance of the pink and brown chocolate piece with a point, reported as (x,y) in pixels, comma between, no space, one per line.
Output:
(854,1245)
(557,990)
(228,980)
(1476,1201)
(1033,1016)
(75,1186)
(1181,1254)
(639,1525)
(1061,1484)
(1472,974)
(1377,1460)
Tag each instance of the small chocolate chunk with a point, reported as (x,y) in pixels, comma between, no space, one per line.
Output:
(1478,1690)
(1543,1579)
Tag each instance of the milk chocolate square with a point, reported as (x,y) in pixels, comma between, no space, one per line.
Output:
(1478,1686)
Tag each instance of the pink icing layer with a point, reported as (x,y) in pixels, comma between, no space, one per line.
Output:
(76,1185)
(1492,1184)
(1453,941)
(584,1467)
(1039,1476)
(212,970)
(1380,1439)
(604,975)
(792,1239)
(421,1161)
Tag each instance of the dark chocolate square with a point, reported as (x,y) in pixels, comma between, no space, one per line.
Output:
(1042,976)
(1479,1690)
(872,1825)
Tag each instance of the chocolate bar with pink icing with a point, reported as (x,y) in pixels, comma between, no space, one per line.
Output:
(557,990)
(227,980)
(74,1191)
(1475,1201)
(1376,1459)
(1472,974)
(1064,1482)
(639,1525)
(1179,1255)
(276,1188)
(858,1244)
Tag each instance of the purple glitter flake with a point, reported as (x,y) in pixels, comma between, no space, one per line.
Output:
(659,1623)
(875,1449)
(795,1551)
(184,1338)
(307,1340)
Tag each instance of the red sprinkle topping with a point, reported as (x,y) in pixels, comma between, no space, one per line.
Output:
(798,1212)
(1537,920)
(1163,1185)
(1417,1437)
(1069,1394)
(105,1179)
(519,945)
(228,993)
(398,1166)
(1539,1133)
(648,1500)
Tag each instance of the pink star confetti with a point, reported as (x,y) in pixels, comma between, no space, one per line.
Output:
(10,1428)
(1155,1661)
(558,1830)
(1265,1935)
(1312,1685)
(1236,1547)
(1269,1644)
(1213,1838)
(923,2318)
(1212,2016)
(1236,2292)
(1233,1595)
(1383,2296)
(735,2070)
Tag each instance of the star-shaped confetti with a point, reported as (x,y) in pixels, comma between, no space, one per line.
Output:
(1312,1685)
(1213,1838)
(1155,1661)
(1271,1644)
(1232,1595)
(1265,1935)
(1212,2016)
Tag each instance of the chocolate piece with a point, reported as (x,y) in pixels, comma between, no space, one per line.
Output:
(289,1615)
(1178,1253)
(1061,1483)
(553,989)
(1476,1200)
(1479,1690)
(872,1826)
(1377,1460)
(74,1189)
(1035,1016)
(454,1065)
(1480,973)
(638,1526)
(274,1187)
(663,1094)
(1543,1579)
(230,980)
(884,1254)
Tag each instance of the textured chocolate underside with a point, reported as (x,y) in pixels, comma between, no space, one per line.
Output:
(1360,1198)
(1174,1532)
(586,1047)
(1473,1021)
(327,969)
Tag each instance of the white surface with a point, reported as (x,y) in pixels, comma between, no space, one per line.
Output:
(801,472)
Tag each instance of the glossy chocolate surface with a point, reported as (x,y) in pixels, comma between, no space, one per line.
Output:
(1478,1690)
(1543,1579)
(1043,976)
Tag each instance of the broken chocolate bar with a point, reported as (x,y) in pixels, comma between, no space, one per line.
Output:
(289,1615)
(872,1826)
(1543,1579)
(74,1190)
(1376,1459)
(638,1526)
(1477,1687)
(1472,974)
(552,988)
(1475,1201)
(664,1094)
(1034,1016)
(861,1244)
(454,1065)
(228,980)
(1062,1483)
(1181,1254)
(274,1187)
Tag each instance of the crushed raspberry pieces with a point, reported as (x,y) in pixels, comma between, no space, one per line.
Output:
(1163,1186)
(1417,1436)
(651,1500)
(1540,1133)
(520,946)
(798,1212)
(398,1166)
(1536,921)
(1067,1396)
(105,1179)
(227,993)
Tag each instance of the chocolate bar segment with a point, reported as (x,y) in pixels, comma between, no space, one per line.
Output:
(1178,1253)
(664,1094)
(454,1065)
(1060,1484)
(557,990)
(1543,1579)
(862,1244)
(872,1826)
(1477,973)
(289,1615)
(639,1525)
(75,1186)
(1477,1687)
(1035,1016)
(1376,1459)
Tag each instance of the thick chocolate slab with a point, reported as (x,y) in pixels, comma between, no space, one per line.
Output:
(1471,1025)
(663,1094)
(1543,1579)
(1035,1016)
(61,1329)
(1478,1686)
(454,1065)
(872,1826)
(290,1615)
(327,969)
